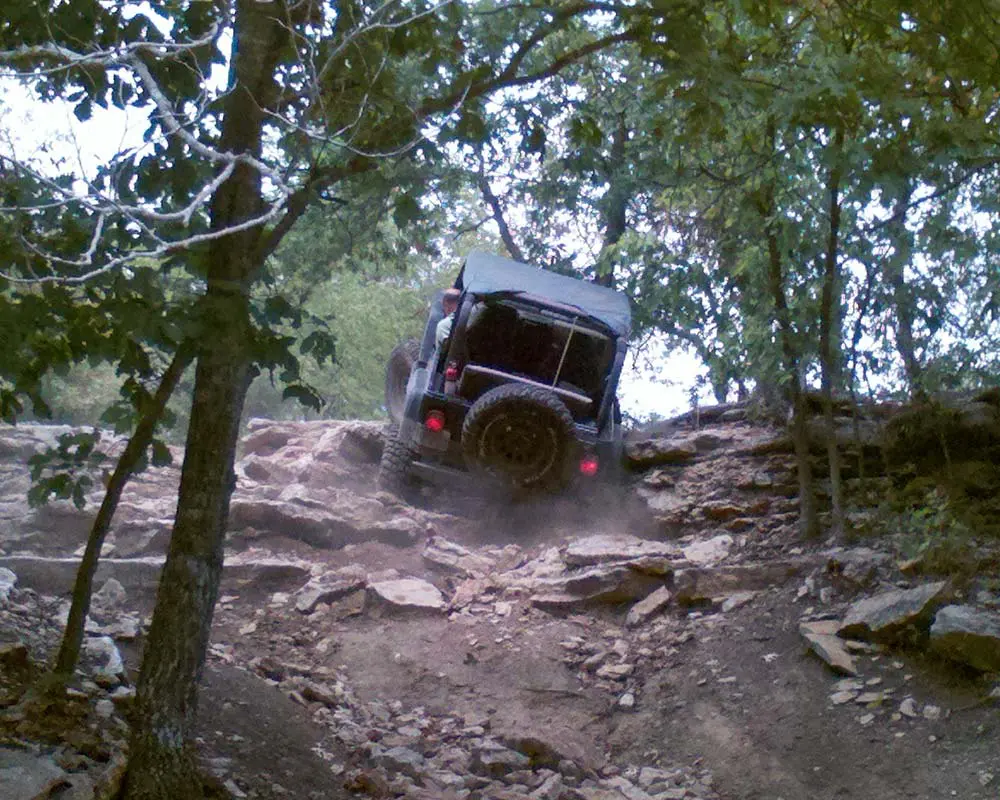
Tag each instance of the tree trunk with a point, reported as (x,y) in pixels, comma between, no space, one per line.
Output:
(829,336)
(161,766)
(615,203)
(894,270)
(69,649)
(808,519)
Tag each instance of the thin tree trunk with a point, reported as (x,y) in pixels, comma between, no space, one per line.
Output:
(161,765)
(498,216)
(894,269)
(808,519)
(829,329)
(615,204)
(69,649)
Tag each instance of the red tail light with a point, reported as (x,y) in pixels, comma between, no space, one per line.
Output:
(434,421)
(451,371)
(589,466)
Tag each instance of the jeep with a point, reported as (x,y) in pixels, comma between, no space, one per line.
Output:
(523,391)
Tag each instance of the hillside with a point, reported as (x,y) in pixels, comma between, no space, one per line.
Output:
(658,642)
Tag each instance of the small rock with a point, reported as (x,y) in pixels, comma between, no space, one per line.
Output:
(737,600)
(908,708)
(8,580)
(649,606)
(105,709)
(867,698)
(408,594)
(101,656)
(110,596)
(615,672)
(497,761)
(14,656)
(866,719)
(840,698)
(329,588)
(401,759)
(627,701)
(932,712)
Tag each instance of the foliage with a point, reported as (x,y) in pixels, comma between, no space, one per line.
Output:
(66,471)
(931,533)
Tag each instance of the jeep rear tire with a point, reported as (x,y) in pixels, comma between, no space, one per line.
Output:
(521,435)
(397,373)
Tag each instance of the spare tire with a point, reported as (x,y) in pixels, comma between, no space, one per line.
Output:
(522,435)
(397,373)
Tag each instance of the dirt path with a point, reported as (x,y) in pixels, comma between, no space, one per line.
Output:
(523,679)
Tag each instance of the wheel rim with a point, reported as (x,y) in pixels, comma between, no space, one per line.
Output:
(522,446)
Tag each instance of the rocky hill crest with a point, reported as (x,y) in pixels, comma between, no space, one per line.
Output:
(679,642)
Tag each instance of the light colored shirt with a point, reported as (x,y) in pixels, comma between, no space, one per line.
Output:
(443,330)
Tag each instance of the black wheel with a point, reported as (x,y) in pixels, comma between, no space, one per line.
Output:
(397,372)
(394,468)
(521,435)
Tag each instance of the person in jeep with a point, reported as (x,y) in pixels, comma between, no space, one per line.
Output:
(449,305)
(514,382)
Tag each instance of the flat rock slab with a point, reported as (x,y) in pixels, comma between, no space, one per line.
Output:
(887,616)
(321,528)
(440,553)
(408,594)
(968,635)
(709,582)
(55,576)
(604,548)
(823,641)
(613,584)
(25,776)
(710,551)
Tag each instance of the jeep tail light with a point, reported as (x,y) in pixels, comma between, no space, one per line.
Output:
(434,421)
(451,371)
(589,466)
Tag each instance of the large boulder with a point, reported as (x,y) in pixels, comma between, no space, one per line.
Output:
(968,635)
(27,776)
(895,615)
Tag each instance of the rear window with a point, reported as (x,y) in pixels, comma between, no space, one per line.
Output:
(527,342)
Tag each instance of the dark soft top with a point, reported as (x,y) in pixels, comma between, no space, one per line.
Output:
(485,274)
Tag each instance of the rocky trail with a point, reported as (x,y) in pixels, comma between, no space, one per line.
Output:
(673,640)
